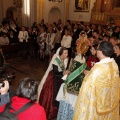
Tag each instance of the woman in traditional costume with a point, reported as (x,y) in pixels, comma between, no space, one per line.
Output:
(52,81)
(68,92)
(98,97)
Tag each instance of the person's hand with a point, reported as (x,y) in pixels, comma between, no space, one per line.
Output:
(86,72)
(66,72)
(4,90)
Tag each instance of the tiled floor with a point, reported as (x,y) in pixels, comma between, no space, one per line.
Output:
(30,67)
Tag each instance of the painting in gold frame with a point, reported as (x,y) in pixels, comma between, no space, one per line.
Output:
(82,6)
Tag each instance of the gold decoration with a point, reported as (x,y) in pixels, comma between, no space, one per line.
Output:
(82,43)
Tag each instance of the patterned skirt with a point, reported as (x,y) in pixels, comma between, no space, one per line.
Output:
(65,111)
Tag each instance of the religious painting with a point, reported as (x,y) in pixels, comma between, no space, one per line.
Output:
(81,5)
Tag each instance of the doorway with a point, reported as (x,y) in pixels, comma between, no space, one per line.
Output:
(54,15)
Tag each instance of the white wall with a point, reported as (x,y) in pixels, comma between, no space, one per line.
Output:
(47,7)
(73,16)
(80,16)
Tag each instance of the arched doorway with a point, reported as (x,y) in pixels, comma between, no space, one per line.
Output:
(11,13)
(54,15)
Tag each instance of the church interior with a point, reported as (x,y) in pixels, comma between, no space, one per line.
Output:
(26,12)
(25,59)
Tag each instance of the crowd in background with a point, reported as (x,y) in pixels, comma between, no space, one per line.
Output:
(43,39)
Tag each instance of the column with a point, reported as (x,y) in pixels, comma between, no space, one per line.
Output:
(40,6)
(66,10)
(33,11)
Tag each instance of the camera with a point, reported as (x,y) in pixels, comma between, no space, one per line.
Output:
(9,77)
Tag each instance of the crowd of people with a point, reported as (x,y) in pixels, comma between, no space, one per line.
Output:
(44,39)
(82,79)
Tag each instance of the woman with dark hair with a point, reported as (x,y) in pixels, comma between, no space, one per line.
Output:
(51,82)
(27,89)
(117,52)
(27,92)
(92,59)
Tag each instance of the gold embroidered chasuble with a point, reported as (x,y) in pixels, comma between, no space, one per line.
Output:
(98,97)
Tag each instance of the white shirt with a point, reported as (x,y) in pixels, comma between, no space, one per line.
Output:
(66,41)
(23,35)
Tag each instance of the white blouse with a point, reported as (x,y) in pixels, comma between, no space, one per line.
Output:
(66,41)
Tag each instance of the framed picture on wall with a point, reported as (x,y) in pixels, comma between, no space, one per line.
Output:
(81,5)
